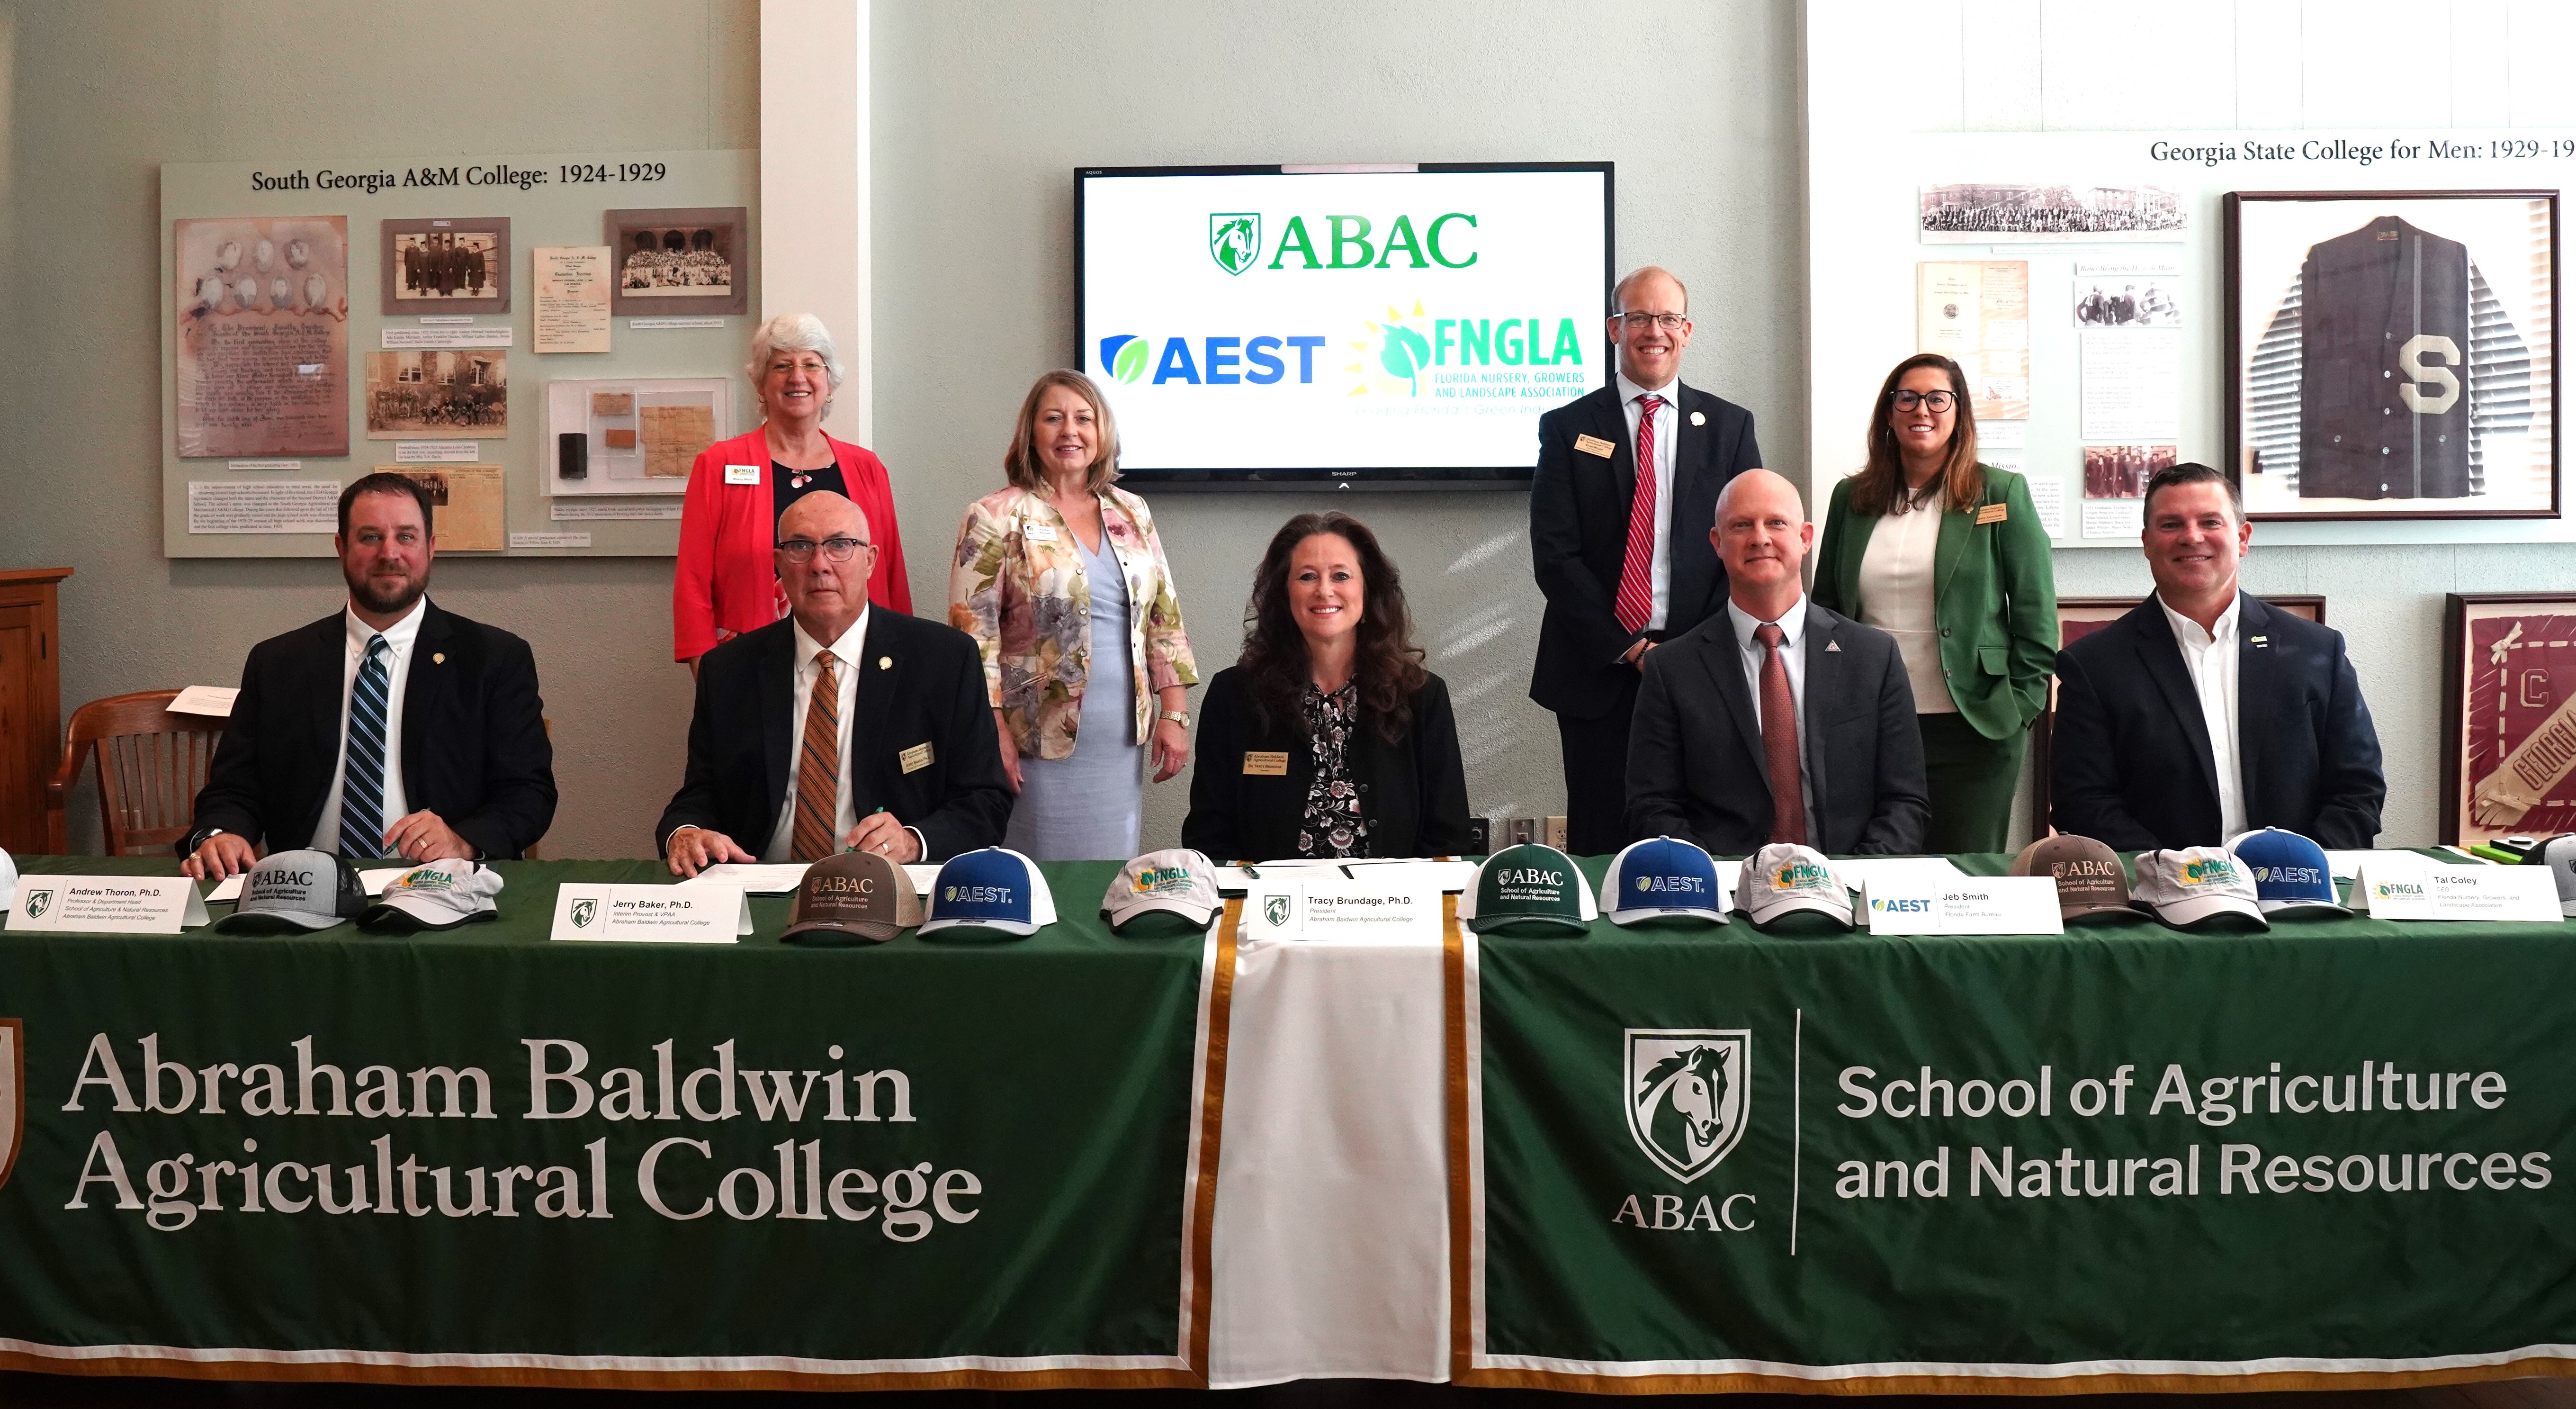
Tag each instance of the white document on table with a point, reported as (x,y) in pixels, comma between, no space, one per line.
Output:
(757,878)
(372,880)
(215,701)
(1449,876)
(1927,871)
(1231,880)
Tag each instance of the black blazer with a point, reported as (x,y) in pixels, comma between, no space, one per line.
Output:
(474,746)
(1413,789)
(2130,761)
(1695,765)
(1579,506)
(920,682)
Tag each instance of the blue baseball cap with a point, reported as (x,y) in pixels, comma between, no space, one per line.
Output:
(1661,878)
(995,888)
(2290,871)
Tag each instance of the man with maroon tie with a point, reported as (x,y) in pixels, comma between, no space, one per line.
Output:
(1617,577)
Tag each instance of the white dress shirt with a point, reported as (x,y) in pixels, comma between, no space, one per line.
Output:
(809,652)
(2210,656)
(1793,627)
(398,643)
(1896,596)
(1668,423)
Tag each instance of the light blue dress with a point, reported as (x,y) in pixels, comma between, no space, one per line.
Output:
(1090,806)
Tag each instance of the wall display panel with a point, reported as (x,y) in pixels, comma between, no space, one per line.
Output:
(2128,329)
(2508,715)
(630,437)
(403,368)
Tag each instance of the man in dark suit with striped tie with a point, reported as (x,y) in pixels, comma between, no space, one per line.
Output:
(389,729)
(1626,478)
(842,728)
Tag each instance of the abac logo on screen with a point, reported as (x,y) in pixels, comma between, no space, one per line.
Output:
(1347,242)
(1234,238)
(1210,361)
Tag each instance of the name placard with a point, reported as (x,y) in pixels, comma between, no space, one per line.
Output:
(2396,890)
(1969,905)
(108,904)
(699,913)
(1342,912)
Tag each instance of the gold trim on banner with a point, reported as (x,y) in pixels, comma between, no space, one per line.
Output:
(1202,1249)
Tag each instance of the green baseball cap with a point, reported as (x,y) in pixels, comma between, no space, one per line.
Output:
(1530,885)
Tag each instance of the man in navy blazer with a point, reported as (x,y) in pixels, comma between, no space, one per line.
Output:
(1715,759)
(1619,555)
(437,753)
(2207,712)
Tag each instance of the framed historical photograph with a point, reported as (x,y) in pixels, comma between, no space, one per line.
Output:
(262,335)
(679,261)
(438,394)
(1994,212)
(2508,715)
(2079,617)
(2393,354)
(445,266)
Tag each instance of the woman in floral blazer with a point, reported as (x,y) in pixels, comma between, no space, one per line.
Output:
(1057,571)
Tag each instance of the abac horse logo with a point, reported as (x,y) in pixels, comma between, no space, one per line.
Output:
(1275,910)
(37,903)
(13,1093)
(583,912)
(1234,239)
(1686,1095)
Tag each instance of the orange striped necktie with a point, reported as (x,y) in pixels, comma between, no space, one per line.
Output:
(818,765)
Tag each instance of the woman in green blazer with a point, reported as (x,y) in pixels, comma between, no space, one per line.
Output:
(1948,556)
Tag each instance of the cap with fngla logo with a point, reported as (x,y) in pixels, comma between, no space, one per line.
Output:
(438,896)
(1786,879)
(995,888)
(1528,885)
(2290,872)
(1660,878)
(854,895)
(297,890)
(2193,884)
(1178,882)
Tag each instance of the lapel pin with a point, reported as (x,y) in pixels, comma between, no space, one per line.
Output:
(1699,418)
(440,657)
(1833,647)
(885,662)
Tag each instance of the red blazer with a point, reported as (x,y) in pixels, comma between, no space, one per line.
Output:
(727,582)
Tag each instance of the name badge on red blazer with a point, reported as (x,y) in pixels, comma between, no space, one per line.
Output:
(742,474)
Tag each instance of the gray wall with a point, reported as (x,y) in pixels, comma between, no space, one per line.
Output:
(103,92)
(982,111)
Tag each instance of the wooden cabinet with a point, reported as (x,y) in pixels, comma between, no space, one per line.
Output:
(31,703)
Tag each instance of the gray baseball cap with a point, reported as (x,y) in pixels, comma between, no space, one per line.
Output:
(296,890)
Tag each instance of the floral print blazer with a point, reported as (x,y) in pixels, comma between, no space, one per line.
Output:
(1024,598)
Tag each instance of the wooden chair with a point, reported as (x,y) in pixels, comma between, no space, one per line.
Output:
(151,763)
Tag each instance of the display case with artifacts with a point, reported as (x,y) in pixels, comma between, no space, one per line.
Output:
(262,335)
(631,436)
(679,261)
(2393,354)
(455,265)
(2508,715)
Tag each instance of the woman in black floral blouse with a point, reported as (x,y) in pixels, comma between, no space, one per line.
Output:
(1327,737)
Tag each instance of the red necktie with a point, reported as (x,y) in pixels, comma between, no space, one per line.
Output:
(1780,741)
(1636,602)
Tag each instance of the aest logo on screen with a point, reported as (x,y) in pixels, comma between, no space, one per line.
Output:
(1348,242)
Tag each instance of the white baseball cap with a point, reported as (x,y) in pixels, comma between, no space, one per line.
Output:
(2190,884)
(438,896)
(8,882)
(1178,881)
(1784,878)
(2558,854)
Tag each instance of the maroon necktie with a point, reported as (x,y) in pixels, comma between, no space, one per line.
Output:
(1636,602)
(1780,741)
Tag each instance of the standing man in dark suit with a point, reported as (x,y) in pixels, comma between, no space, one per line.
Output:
(389,728)
(1776,720)
(841,728)
(1617,576)
(2206,712)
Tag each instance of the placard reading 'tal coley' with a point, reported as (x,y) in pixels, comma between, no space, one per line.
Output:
(108,904)
(1976,905)
(1346,912)
(652,914)
(2415,889)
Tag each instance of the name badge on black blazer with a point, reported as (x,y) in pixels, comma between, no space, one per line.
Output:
(1265,765)
(1594,445)
(914,759)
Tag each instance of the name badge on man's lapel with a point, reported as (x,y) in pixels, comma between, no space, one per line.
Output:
(1993,513)
(742,474)
(914,759)
(1265,765)
(1595,445)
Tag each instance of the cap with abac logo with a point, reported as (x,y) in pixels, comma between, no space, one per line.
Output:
(1178,883)
(2090,881)
(1661,878)
(994,888)
(297,890)
(853,895)
(1528,885)
(2192,884)
(1785,879)
(2290,872)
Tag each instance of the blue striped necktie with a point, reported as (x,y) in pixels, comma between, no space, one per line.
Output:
(362,784)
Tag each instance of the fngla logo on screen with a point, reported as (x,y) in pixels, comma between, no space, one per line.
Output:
(1230,360)
(1409,354)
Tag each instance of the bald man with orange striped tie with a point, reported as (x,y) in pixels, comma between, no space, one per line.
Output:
(842,728)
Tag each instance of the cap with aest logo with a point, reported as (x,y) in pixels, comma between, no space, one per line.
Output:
(297,890)
(1785,879)
(2091,883)
(1530,886)
(2194,884)
(1178,883)
(438,896)
(2290,872)
(994,888)
(1662,878)
(852,896)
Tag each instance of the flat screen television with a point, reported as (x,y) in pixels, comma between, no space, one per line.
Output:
(1281,326)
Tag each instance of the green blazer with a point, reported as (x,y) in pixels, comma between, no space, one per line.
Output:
(1994,598)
